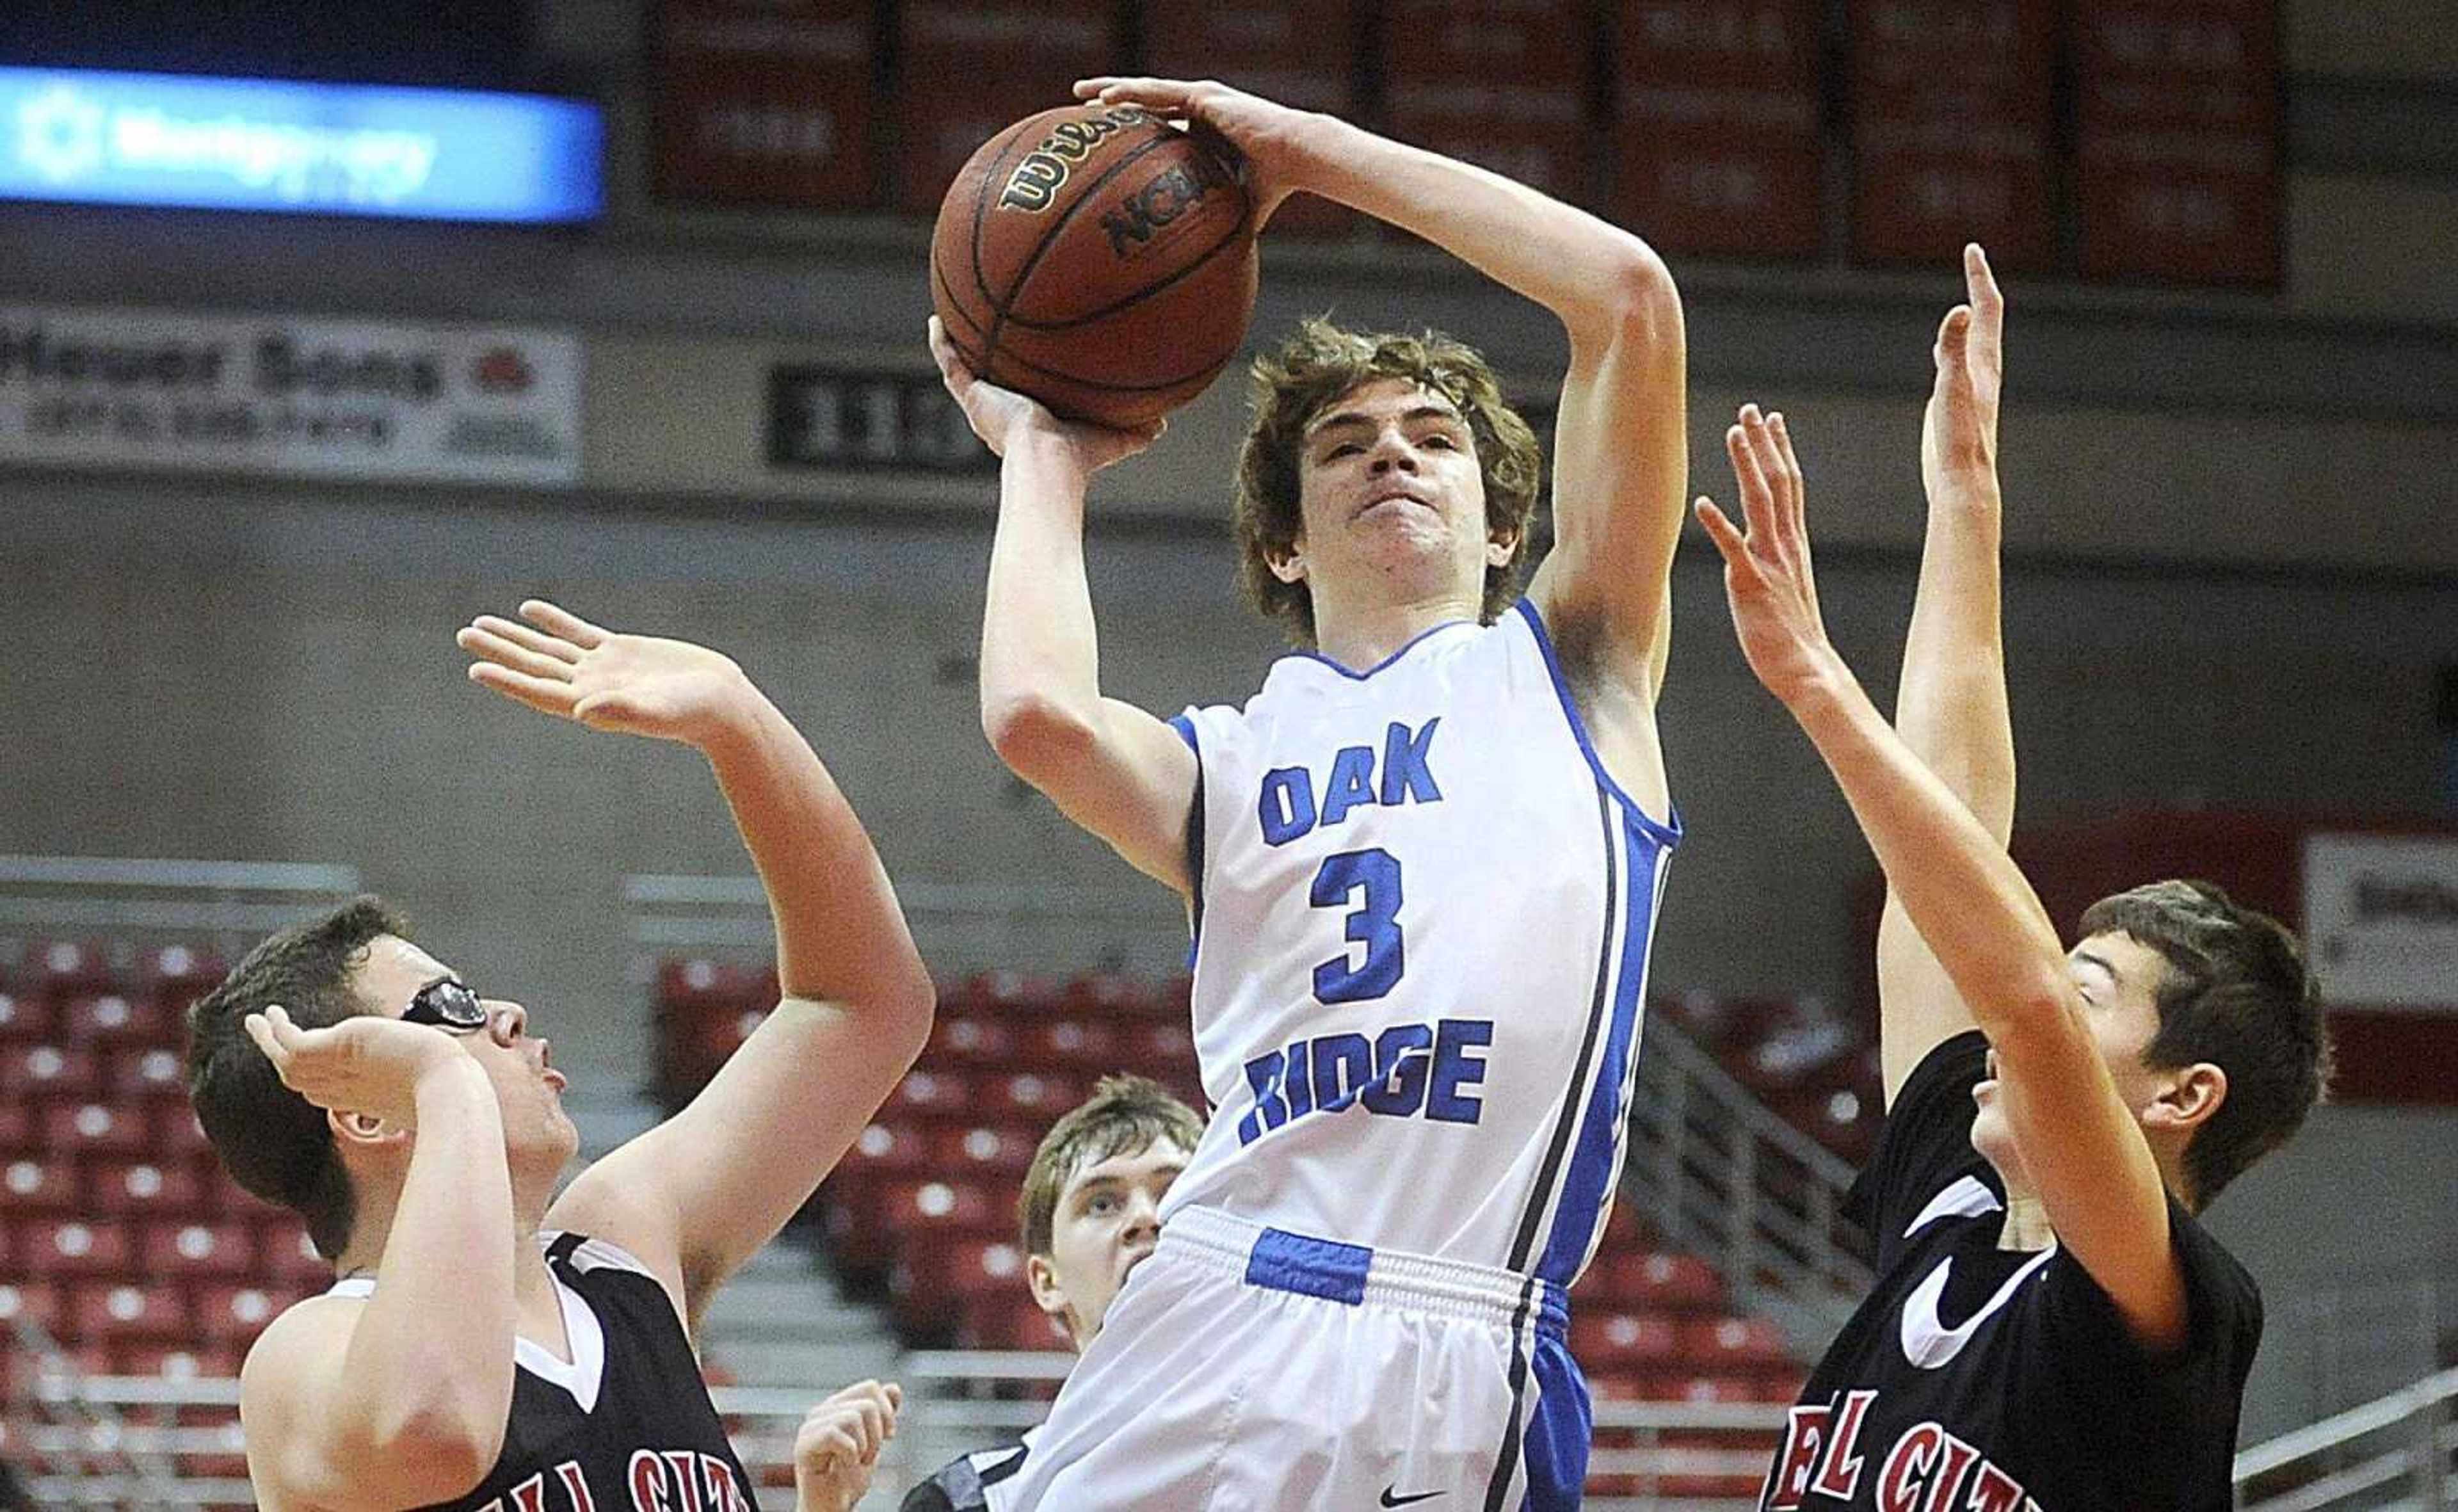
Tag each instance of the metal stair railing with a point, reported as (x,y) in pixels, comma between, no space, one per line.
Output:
(1721,1176)
(2395,1452)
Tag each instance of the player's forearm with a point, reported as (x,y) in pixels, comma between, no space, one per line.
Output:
(840,937)
(433,1347)
(1598,278)
(1040,660)
(1953,880)
(1951,707)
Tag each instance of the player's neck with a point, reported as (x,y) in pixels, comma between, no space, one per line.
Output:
(2026,1224)
(1362,637)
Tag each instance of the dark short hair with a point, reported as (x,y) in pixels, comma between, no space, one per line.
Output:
(274,1141)
(2236,994)
(1318,365)
(1126,1116)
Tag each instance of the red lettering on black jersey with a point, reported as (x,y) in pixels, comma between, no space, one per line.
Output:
(575,1487)
(529,1496)
(1902,1484)
(685,1466)
(1840,1475)
(1995,1491)
(650,1492)
(1948,1479)
(1804,1428)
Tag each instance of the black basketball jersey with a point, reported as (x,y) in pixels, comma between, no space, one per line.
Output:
(974,1483)
(1980,1380)
(626,1425)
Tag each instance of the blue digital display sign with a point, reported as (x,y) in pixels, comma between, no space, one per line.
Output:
(168,139)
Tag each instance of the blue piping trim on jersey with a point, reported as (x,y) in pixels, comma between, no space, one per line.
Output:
(1600,1126)
(1361,676)
(1559,1431)
(1185,729)
(1669,831)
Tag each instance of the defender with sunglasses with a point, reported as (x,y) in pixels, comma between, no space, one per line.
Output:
(490,1342)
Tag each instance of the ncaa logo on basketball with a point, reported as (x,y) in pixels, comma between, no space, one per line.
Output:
(1170,194)
(1037,179)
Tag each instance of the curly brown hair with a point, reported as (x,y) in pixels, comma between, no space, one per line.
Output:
(1317,365)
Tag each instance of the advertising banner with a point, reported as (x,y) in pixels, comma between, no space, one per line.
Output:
(174,140)
(2380,919)
(288,395)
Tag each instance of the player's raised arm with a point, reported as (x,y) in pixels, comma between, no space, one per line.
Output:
(1112,768)
(399,1399)
(696,1196)
(1950,708)
(1620,450)
(2094,1168)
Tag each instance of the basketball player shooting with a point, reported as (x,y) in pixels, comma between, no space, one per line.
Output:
(490,1343)
(1422,863)
(2052,1326)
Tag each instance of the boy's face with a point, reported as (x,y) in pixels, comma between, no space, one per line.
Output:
(1107,1220)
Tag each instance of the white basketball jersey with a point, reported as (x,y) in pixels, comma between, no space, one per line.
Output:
(1423,913)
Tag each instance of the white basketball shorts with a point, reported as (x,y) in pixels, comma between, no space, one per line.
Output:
(1248,1369)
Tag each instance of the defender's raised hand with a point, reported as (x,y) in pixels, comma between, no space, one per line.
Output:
(562,665)
(1959,428)
(365,1063)
(1768,577)
(838,1445)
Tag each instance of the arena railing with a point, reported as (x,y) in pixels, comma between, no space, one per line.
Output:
(2393,1451)
(227,905)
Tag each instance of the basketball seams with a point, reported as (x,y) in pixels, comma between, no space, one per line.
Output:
(1083,196)
(1228,239)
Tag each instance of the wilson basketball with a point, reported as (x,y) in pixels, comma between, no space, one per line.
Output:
(1098,258)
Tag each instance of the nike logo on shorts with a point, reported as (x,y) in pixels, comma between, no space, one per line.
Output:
(1388,1500)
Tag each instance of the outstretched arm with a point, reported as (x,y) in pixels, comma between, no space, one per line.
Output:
(1952,707)
(1112,768)
(697,1195)
(2080,1144)
(1620,445)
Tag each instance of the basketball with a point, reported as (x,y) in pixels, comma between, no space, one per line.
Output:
(1098,258)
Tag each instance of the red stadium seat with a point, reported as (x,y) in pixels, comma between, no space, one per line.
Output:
(64,1247)
(897,1146)
(1108,995)
(175,974)
(61,968)
(944,1207)
(200,1249)
(1157,1047)
(1726,1343)
(154,1072)
(1086,1046)
(1009,992)
(176,1133)
(142,1189)
(94,1129)
(36,1302)
(114,1019)
(1028,1097)
(286,1257)
(46,1070)
(931,1094)
(18,1134)
(23,1018)
(970,1040)
(1623,1341)
(992,1152)
(103,1312)
(1663,1282)
(41,1184)
(233,1313)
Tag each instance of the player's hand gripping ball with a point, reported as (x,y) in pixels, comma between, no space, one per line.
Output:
(1098,259)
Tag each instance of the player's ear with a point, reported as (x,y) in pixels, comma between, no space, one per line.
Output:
(1502,544)
(1041,1278)
(362,1131)
(2188,1098)
(1287,563)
